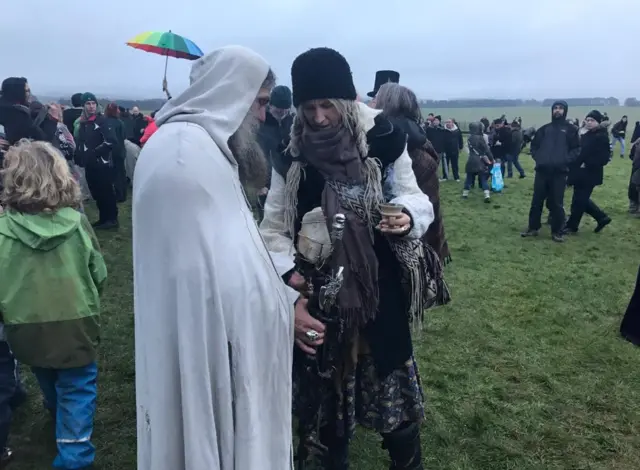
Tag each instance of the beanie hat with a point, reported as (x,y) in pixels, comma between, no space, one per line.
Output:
(596,115)
(321,73)
(281,97)
(86,97)
(438,117)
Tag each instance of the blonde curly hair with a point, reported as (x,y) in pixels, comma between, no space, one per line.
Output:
(36,178)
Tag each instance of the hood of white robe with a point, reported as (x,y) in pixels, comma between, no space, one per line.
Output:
(224,85)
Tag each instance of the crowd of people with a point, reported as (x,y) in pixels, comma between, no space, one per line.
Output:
(330,283)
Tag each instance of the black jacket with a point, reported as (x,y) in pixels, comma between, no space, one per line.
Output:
(619,129)
(437,136)
(595,153)
(17,123)
(117,129)
(517,141)
(502,135)
(69,117)
(453,142)
(273,137)
(555,145)
(138,126)
(95,143)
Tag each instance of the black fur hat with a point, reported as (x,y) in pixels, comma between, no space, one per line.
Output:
(382,77)
(321,73)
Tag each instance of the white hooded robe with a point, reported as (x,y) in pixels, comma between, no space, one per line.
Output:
(213,319)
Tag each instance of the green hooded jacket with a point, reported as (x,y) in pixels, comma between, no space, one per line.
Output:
(52,274)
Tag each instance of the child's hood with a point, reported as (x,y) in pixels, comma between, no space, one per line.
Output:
(41,231)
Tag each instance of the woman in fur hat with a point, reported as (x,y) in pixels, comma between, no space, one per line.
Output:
(346,158)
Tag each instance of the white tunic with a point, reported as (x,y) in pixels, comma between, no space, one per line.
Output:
(213,319)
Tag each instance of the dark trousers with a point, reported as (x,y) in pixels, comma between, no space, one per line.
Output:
(580,203)
(120,183)
(513,160)
(632,193)
(483,181)
(100,182)
(548,187)
(454,159)
(8,388)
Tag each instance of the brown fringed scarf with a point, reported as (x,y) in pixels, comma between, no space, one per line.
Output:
(353,186)
(333,152)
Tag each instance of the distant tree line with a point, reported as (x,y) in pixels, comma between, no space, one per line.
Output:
(145,105)
(504,103)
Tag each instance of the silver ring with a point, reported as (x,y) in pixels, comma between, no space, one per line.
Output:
(312,335)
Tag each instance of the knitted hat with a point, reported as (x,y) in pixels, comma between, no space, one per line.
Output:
(281,97)
(321,73)
(596,115)
(86,97)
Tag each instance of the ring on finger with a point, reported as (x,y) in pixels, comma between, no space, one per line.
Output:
(312,335)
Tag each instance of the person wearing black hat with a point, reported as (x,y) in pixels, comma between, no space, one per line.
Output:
(586,172)
(274,134)
(94,149)
(553,148)
(340,161)
(382,77)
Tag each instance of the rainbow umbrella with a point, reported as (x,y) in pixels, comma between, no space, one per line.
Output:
(166,44)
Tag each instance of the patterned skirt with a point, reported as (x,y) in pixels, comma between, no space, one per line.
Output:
(381,405)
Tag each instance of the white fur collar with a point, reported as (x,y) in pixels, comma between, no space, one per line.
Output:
(367,114)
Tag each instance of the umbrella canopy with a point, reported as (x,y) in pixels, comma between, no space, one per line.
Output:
(167,44)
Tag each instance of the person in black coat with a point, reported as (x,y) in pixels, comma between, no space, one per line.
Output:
(15,115)
(437,135)
(554,147)
(587,172)
(453,143)
(630,326)
(71,115)
(118,129)
(94,149)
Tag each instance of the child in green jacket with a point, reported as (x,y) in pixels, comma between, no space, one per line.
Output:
(53,273)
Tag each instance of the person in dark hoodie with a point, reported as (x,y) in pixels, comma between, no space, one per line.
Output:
(479,161)
(70,115)
(586,172)
(501,143)
(15,116)
(553,148)
(619,134)
(138,125)
(94,152)
(513,159)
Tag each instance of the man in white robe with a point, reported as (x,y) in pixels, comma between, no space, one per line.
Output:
(213,319)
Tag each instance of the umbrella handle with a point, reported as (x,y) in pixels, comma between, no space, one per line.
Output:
(164,80)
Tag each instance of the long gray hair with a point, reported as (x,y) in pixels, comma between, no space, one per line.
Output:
(349,114)
(398,101)
(350,119)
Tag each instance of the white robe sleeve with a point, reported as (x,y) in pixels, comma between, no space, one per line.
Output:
(272,227)
(406,192)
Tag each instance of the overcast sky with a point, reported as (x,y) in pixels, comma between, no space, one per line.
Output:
(442,49)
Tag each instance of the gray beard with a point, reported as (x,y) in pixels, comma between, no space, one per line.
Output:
(252,163)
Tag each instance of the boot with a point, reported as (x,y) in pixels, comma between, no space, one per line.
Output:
(487,196)
(633,207)
(404,448)
(465,193)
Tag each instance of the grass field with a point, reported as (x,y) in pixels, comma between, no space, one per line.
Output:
(523,370)
(533,116)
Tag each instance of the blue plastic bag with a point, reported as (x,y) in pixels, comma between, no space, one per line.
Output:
(497,183)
